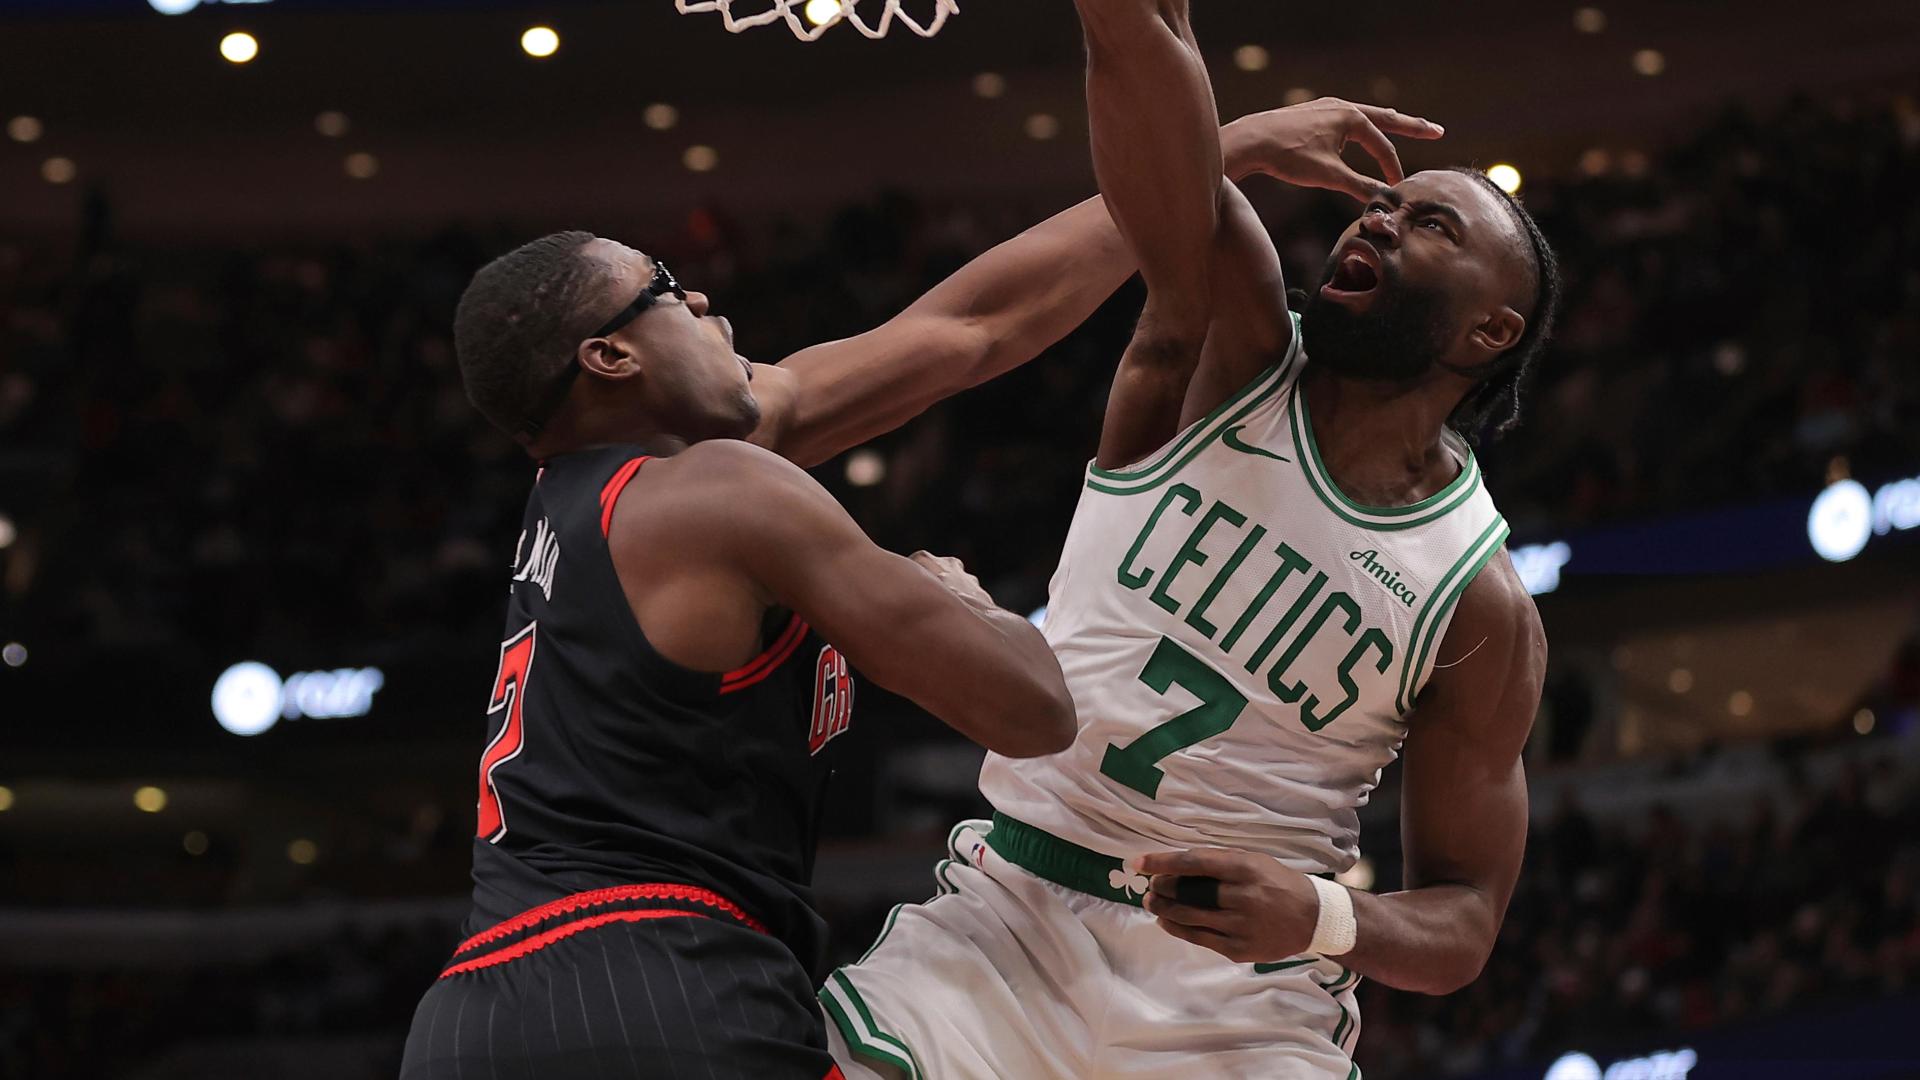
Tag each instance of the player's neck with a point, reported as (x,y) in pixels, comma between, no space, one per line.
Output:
(1382,443)
(591,429)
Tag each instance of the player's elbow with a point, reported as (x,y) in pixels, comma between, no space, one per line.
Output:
(1034,721)
(1457,969)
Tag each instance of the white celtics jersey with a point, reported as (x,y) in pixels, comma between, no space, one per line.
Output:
(1242,641)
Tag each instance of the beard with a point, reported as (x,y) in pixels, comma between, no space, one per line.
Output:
(1398,338)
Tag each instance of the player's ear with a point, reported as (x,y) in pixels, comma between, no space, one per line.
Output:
(608,358)
(1499,330)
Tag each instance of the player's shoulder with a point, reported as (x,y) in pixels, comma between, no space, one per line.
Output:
(720,469)
(1497,607)
(713,485)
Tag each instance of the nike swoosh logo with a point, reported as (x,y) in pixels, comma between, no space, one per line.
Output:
(1232,439)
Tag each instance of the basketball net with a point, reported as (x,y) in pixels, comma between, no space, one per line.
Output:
(799,15)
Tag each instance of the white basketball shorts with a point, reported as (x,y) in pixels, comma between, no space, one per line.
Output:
(1011,973)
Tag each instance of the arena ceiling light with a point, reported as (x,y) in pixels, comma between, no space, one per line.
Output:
(1505,177)
(181,7)
(540,42)
(25,129)
(239,47)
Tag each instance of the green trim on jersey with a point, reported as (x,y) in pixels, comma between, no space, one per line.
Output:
(1456,494)
(863,1035)
(1440,601)
(1145,477)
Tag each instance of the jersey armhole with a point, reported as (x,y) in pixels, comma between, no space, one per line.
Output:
(679,681)
(610,494)
(1259,393)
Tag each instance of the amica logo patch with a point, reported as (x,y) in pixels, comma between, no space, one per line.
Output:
(1369,561)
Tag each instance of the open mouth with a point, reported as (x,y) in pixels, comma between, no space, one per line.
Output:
(1356,272)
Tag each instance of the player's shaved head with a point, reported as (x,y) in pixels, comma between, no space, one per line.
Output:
(518,321)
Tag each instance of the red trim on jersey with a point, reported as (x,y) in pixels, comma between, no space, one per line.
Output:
(834,1074)
(565,930)
(567,905)
(763,665)
(610,494)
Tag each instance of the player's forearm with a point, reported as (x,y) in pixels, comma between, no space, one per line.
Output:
(1029,292)
(1432,940)
(1156,153)
(1001,310)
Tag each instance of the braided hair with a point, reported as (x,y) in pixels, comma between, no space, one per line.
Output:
(1492,407)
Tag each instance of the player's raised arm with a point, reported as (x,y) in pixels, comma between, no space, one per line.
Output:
(741,529)
(1010,303)
(997,312)
(1463,814)
(1156,153)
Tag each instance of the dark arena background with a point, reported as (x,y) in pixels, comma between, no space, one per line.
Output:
(252,535)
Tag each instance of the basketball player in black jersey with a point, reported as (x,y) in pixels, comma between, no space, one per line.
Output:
(685,617)
(686,612)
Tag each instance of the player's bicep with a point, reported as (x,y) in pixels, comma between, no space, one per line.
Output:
(1464,804)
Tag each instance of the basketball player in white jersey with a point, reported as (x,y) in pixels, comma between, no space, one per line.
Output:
(1284,568)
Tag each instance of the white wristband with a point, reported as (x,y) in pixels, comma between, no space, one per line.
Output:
(1334,928)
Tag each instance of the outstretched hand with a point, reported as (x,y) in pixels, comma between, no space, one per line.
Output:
(1301,144)
(1267,912)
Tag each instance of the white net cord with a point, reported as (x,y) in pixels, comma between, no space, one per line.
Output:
(842,11)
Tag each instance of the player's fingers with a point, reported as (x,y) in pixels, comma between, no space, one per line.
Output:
(1394,122)
(1206,939)
(1225,864)
(1188,915)
(1351,182)
(939,564)
(1378,147)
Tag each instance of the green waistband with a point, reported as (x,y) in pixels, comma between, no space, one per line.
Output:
(1081,869)
(1063,862)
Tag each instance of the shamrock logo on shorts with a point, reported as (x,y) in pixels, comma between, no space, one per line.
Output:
(1118,878)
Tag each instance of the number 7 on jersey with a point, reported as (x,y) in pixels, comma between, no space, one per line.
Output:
(1220,705)
(509,693)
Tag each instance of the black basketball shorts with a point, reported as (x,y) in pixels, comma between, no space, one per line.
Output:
(655,981)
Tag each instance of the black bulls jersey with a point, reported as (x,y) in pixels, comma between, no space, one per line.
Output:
(607,764)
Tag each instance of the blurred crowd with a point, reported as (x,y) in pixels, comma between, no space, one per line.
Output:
(271,447)
(1673,925)
(1620,933)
